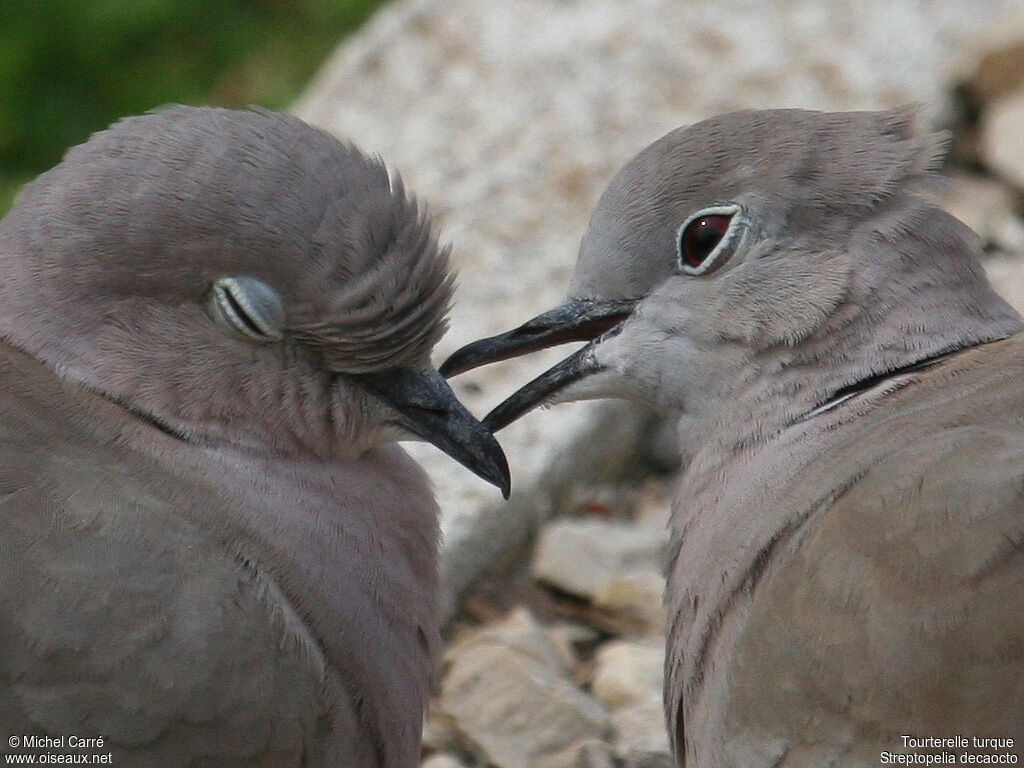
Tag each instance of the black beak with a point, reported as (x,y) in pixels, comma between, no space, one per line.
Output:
(427,407)
(586,320)
(578,365)
(573,321)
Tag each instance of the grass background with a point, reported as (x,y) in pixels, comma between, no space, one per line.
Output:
(71,67)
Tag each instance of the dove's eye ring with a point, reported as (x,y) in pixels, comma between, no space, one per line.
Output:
(709,237)
(248,307)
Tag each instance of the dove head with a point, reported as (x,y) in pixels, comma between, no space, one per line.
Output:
(238,277)
(780,256)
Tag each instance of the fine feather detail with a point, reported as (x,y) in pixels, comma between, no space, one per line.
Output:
(375,289)
(393,312)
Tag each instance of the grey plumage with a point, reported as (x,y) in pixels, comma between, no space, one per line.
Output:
(214,323)
(845,562)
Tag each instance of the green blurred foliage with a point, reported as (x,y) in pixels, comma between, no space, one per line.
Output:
(71,67)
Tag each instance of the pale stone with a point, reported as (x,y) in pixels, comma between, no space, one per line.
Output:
(1007,277)
(637,595)
(589,753)
(627,673)
(520,633)
(581,557)
(640,732)
(567,636)
(647,760)
(1003,137)
(991,63)
(439,734)
(988,207)
(442,761)
(508,697)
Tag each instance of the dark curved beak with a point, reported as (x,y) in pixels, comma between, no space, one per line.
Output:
(581,320)
(578,365)
(427,407)
(584,320)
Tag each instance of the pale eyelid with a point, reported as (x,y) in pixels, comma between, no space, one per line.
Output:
(247,306)
(731,242)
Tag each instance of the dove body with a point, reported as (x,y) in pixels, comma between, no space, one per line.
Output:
(845,565)
(214,326)
(196,605)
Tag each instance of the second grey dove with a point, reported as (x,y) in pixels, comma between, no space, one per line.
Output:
(846,565)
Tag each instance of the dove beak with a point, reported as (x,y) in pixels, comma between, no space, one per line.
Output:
(426,406)
(585,320)
(581,320)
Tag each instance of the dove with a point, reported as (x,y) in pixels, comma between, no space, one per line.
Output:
(214,327)
(845,574)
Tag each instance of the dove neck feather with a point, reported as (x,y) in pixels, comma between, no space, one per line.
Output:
(914,311)
(889,317)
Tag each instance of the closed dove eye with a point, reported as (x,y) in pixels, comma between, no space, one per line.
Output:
(248,308)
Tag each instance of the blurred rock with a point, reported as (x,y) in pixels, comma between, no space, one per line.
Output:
(988,207)
(1003,137)
(507,695)
(637,596)
(991,64)
(589,753)
(647,760)
(582,557)
(442,761)
(627,673)
(521,633)
(641,736)
(1008,279)
(570,635)
(439,733)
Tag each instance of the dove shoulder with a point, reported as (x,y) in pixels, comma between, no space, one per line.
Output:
(858,577)
(115,594)
(150,606)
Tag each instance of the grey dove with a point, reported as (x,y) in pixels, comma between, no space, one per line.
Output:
(214,325)
(846,565)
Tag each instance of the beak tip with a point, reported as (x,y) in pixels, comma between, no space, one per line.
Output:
(501,476)
(425,405)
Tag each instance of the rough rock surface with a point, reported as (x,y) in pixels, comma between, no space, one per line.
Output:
(589,753)
(509,119)
(640,731)
(628,672)
(989,207)
(1003,137)
(441,760)
(584,557)
(507,691)
(579,688)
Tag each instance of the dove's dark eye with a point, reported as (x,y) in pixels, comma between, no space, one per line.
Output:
(247,307)
(708,238)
